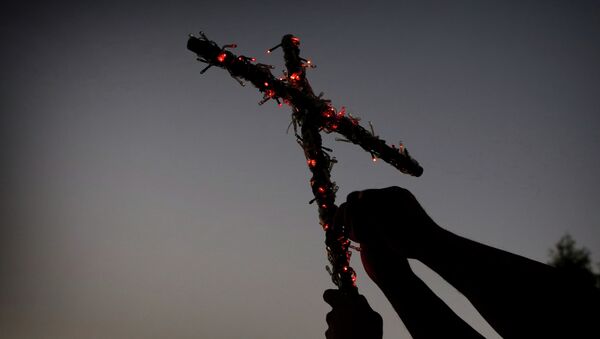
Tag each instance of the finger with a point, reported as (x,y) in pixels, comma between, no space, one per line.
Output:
(395,189)
(362,302)
(329,318)
(357,303)
(339,219)
(392,194)
(399,195)
(351,215)
(333,297)
(354,196)
(344,219)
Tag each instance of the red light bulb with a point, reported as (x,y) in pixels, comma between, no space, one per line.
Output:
(329,112)
(221,57)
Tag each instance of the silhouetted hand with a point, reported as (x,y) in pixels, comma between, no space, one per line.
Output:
(351,317)
(390,218)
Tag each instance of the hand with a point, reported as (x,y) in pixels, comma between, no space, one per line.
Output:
(351,317)
(390,219)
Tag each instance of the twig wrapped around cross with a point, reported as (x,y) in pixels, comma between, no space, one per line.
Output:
(311,114)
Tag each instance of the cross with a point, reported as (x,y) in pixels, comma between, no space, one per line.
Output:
(311,114)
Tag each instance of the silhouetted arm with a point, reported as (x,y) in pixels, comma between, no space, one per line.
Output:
(519,297)
(423,313)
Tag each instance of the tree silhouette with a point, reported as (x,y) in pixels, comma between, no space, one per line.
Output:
(574,261)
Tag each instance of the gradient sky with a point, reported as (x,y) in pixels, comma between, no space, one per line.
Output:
(143,200)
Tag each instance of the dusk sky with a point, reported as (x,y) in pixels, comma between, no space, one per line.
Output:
(141,199)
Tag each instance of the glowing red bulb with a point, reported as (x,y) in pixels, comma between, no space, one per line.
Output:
(252,59)
(345,268)
(334,126)
(295,76)
(266,84)
(312,162)
(374,159)
(342,112)
(270,93)
(221,57)
(295,41)
(329,112)
(321,189)
(324,206)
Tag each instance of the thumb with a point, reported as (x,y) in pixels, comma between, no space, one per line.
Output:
(337,298)
(333,297)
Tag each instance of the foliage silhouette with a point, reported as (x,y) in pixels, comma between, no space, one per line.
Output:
(574,261)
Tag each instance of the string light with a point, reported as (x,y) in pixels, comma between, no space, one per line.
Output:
(330,112)
(295,76)
(313,114)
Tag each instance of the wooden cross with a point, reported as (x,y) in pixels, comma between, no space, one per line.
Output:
(311,114)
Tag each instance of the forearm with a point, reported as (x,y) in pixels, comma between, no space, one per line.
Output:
(516,295)
(424,314)
(519,297)
(469,265)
